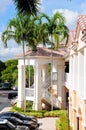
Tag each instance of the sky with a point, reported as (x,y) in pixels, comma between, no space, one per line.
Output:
(69,8)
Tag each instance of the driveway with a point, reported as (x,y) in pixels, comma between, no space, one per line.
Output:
(4,102)
(48,123)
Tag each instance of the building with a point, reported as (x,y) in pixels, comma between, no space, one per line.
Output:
(46,92)
(76,80)
(67,89)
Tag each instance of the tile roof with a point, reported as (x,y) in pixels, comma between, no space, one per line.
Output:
(72,43)
(82,22)
(44,52)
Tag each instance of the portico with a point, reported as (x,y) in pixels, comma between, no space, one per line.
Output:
(41,61)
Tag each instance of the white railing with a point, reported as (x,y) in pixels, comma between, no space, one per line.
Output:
(50,98)
(30,94)
(46,83)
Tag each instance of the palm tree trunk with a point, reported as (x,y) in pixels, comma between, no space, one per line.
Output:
(23,47)
(51,71)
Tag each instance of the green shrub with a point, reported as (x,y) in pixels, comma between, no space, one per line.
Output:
(15,108)
(62,123)
(55,113)
(29,105)
(41,113)
(36,114)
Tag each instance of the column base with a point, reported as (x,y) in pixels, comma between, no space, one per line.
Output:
(21,104)
(37,106)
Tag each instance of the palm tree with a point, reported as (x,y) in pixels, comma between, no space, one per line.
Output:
(19,29)
(57,32)
(27,6)
(56,28)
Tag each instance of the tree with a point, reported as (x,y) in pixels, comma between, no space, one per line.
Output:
(8,72)
(41,31)
(2,67)
(57,32)
(56,29)
(19,30)
(27,6)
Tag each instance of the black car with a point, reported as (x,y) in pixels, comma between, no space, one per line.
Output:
(20,116)
(12,95)
(16,121)
(6,86)
(6,125)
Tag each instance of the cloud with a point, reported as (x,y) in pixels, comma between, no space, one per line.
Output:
(70,16)
(4,4)
(10,52)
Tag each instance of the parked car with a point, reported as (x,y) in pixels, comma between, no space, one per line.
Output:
(16,121)
(12,95)
(6,86)
(15,88)
(6,125)
(21,117)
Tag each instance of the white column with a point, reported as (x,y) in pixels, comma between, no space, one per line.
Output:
(37,88)
(85,73)
(55,75)
(71,72)
(54,67)
(79,67)
(21,87)
(74,72)
(60,81)
(45,72)
(80,73)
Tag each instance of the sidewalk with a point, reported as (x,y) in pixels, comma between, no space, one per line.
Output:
(48,123)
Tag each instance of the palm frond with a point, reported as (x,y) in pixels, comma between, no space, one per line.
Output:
(27,6)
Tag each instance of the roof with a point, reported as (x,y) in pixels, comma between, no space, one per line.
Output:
(44,52)
(81,25)
(82,22)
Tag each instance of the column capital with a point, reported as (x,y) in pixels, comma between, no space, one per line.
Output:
(20,66)
(61,66)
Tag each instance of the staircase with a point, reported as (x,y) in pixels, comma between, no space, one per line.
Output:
(47,97)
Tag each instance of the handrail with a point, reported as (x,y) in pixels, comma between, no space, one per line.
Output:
(46,83)
(51,98)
